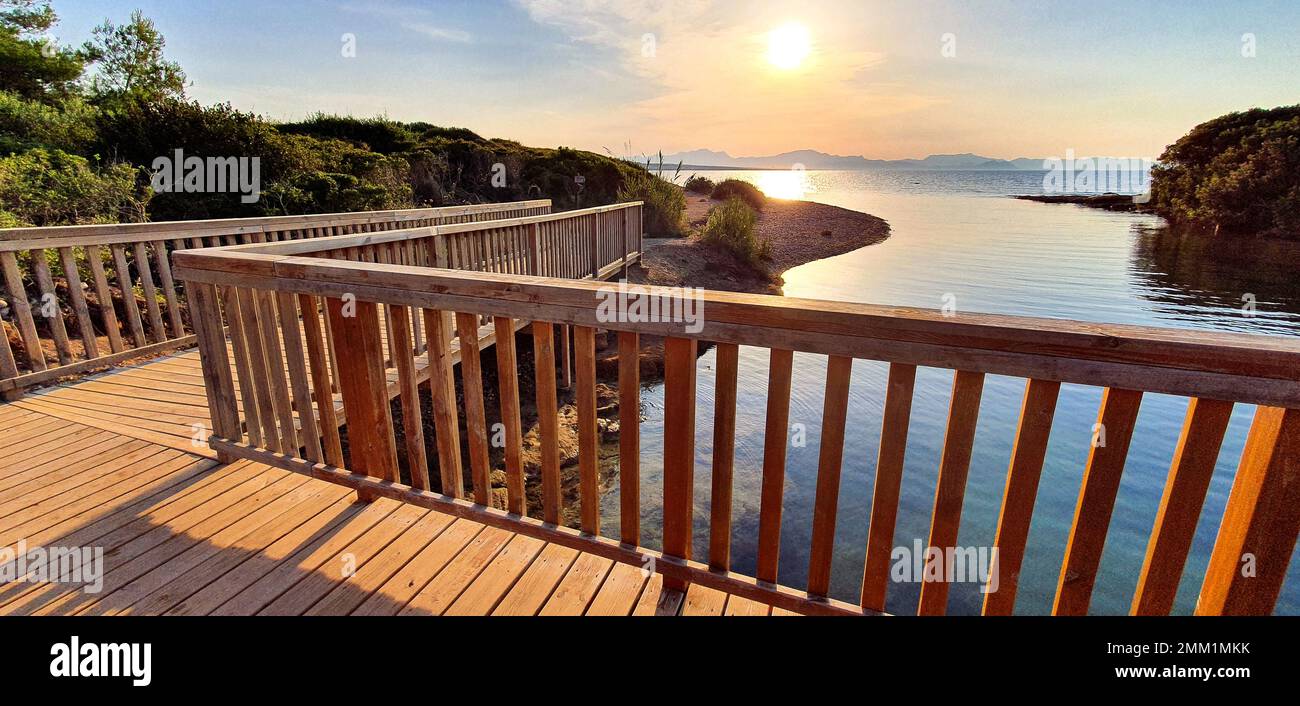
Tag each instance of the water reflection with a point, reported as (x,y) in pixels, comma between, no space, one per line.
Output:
(1199,279)
(787,184)
(957,233)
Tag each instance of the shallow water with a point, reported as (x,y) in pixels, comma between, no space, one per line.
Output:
(957,238)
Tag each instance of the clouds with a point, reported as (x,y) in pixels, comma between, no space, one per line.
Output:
(703,78)
(440,34)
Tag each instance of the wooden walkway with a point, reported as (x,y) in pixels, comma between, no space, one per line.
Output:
(110,461)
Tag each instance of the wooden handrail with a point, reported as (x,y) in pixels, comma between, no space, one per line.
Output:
(393,272)
(138,254)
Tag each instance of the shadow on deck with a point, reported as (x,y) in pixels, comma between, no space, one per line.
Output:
(108,462)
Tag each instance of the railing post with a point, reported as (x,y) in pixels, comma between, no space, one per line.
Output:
(223,409)
(1258,532)
(365,389)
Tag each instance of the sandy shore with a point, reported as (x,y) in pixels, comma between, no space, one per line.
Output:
(799,232)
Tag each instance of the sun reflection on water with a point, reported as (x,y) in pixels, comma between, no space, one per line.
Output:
(784,184)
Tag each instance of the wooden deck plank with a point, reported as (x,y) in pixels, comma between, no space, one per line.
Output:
(321,510)
(482,596)
(737,605)
(302,595)
(620,592)
(578,587)
(277,508)
(703,601)
(136,541)
(412,578)
(137,571)
(353,590)
(446,587)
(259,590)
(109,461)
(534,588)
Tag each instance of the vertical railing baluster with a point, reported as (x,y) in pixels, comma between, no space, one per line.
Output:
(107,311)
(322,388)
(442,388)
(49,306)
(679,450)
(150,292)
(547,421)
(402,351)
(1114,431)
(471,377)
(508,386)
(776,436)
(584,341)
(1180,505)
(724,453)
(85,327)
(629,437)
(296,357)
(1027,456)
(889,477)
(1260,523)
(839,370)
(954,465)
(22,311)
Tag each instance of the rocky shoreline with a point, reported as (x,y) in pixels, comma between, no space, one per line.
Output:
(1108,201)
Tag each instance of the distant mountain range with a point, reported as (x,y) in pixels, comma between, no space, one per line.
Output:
(812,159)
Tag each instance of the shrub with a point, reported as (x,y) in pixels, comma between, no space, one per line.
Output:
(699,184)
(731,226)
(1239,173)
(665,204)
(51,187)
(378,134)
(743,190)
(69,126)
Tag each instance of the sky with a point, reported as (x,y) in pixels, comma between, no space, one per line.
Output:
(885,79)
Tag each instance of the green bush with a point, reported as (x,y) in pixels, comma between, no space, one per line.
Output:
(69,125)
(743,190)
(1238,174)
(731,226)
(378,134)
(665,204)
(700,185)
(51,187)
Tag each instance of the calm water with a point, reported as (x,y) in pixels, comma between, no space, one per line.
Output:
(955,234)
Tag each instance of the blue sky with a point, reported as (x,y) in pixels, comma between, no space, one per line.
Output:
(1019,78)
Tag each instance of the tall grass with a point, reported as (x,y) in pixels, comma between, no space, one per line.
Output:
(665,202)
(731,226)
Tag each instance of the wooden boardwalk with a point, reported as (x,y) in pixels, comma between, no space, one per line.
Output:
(110,461)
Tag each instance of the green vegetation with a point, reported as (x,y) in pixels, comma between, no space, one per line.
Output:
(1238,174)
(743,190)
(80,129)
(665,203)
(699,184)
(731,226)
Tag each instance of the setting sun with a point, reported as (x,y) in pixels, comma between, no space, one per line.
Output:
(788,45)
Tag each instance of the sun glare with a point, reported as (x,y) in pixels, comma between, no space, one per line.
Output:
(788,46)
(784,184)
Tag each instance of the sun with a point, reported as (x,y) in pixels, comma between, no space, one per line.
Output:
(788,46)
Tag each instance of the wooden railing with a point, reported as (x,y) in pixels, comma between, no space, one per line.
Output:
(136,254)
(1261,520)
